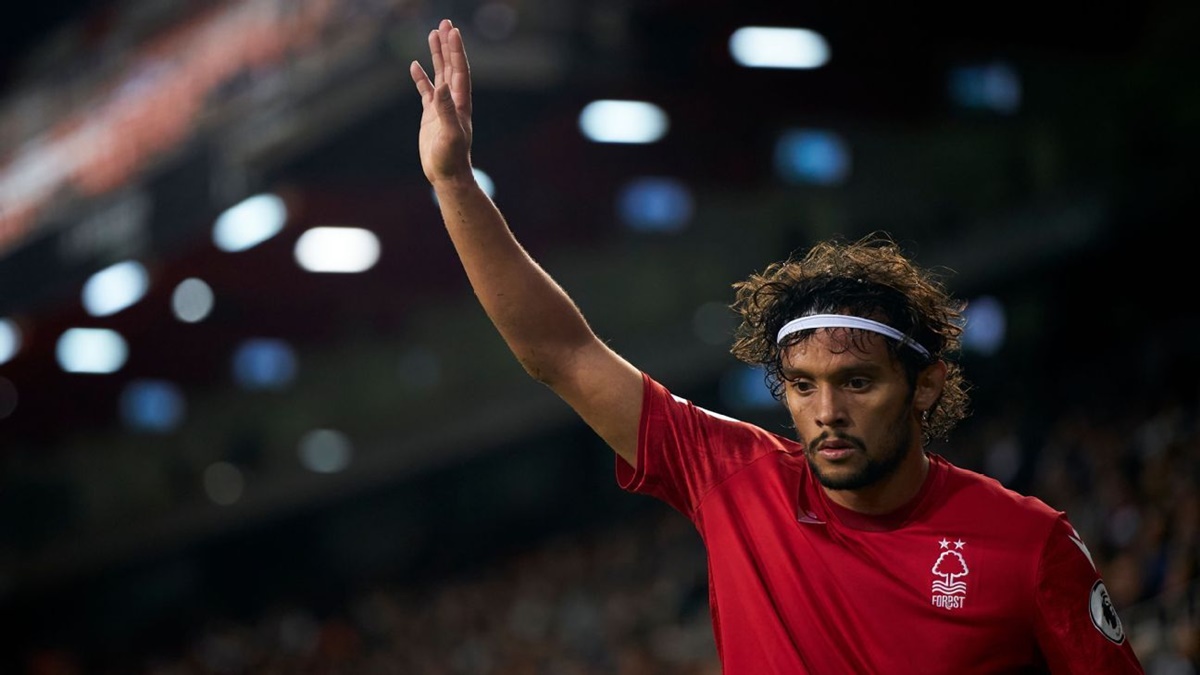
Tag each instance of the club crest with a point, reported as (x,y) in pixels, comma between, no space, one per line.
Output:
(949,588)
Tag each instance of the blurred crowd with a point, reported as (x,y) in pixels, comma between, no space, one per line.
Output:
(631,598)
(628,600)
(1128,481)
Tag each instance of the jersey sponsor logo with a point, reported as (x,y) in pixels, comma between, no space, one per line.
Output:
(949,590)
(1104,615)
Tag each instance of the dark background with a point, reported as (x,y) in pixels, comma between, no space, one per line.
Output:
(1075,210)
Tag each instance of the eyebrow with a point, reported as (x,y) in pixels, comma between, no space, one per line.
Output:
(857,369)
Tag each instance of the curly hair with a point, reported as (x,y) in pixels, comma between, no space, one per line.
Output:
(872,278)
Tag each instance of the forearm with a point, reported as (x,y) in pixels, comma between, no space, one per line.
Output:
(536,318)
(541,325)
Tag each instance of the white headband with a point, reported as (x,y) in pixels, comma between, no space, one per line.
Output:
(847,321)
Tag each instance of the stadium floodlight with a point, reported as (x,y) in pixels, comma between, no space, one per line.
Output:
(772,47)
(815,156)
(249,223)
(192,300)
(337,249)
(612,121)
(264,364)
(152,405)
(482,178)
(325,451)
(992,86)
(91,350)
(656,204)
(10,340)
(986,325)
(114,288)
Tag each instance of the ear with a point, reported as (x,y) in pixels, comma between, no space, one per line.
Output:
(929,386)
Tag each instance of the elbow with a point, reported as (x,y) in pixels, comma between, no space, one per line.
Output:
(551,367)
(536,366)
(534,370)
(541,371)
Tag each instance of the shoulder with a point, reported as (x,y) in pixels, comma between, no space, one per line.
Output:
(662,408)
(685,450)
(981,494)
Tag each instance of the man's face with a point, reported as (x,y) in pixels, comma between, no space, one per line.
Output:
(852,407)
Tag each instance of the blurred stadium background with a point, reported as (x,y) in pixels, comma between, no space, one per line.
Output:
(253,421)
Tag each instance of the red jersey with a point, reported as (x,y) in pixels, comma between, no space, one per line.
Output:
(969,577)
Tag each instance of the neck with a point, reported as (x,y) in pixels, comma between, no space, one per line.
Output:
(890,493)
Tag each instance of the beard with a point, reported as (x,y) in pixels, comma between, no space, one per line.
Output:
(894,448)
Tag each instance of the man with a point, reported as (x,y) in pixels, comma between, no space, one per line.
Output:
(851,550)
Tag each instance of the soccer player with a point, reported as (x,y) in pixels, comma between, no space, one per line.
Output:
(851,549)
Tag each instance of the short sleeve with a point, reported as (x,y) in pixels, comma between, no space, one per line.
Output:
(1078,627)
(684,450)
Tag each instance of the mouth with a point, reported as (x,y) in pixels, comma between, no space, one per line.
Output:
(835,449)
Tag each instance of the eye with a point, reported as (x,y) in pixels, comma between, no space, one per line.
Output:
(800,386)
(858,383)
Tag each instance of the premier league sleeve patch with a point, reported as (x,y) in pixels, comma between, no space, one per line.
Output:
(1104,615)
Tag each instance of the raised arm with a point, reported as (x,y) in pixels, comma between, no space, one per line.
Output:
(539,322)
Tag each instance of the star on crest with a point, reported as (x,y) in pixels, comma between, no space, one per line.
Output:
(944,543)
(959,544)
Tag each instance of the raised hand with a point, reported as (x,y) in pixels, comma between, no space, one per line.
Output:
(445,137)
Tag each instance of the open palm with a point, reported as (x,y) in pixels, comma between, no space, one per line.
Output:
(445,137)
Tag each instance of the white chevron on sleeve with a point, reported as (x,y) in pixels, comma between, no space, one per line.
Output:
(1074,537)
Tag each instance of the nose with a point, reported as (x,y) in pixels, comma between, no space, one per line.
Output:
(829,410)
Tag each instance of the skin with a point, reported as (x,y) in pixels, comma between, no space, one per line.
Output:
(858,419)
(553,342)
(538,321)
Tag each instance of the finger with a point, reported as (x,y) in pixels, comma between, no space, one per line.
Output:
(435,51)
(457,51)
(421,79)
(460,83)
(444,33)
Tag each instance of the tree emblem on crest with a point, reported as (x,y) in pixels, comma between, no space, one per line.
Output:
(949,568)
